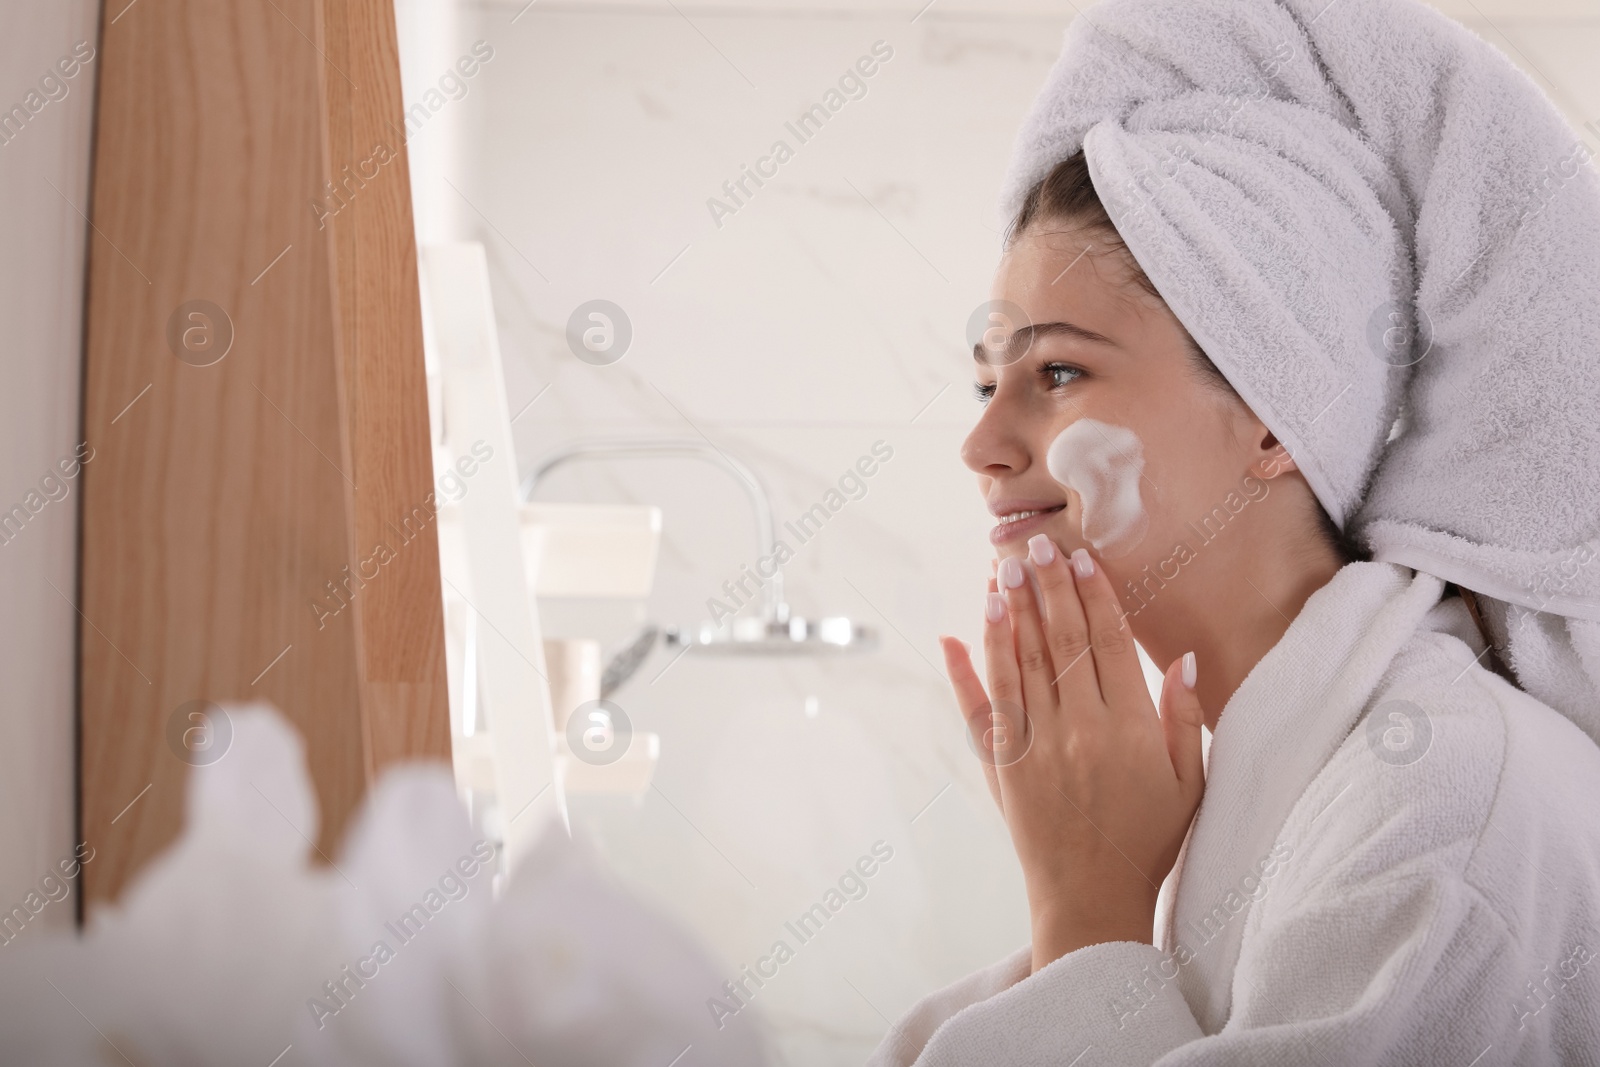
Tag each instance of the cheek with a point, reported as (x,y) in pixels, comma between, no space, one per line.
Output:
(1104,464)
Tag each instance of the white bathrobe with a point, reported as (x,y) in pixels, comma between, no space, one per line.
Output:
(1397,861)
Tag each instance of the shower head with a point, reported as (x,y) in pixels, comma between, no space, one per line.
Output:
(767,637)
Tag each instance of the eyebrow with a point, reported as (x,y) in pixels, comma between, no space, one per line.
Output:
(1023,338)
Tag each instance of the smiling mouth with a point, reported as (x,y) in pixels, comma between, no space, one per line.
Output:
(1018,516)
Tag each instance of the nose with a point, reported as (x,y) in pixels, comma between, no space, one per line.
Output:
(997,445)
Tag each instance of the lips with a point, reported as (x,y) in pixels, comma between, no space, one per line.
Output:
(1021,515)
(1020,518)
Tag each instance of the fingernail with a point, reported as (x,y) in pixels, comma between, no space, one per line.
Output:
(957,640)
(994,606)
(1010,572)
(1041,550)
(1190,671)
(1081,563)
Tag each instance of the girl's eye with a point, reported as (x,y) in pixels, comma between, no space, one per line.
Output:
(1056,375)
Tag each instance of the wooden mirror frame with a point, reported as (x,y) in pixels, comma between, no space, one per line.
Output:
(257,527)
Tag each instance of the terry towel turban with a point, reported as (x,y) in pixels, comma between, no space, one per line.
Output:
(1388,240)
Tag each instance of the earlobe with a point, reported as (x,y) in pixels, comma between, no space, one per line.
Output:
(1278,460)
(1278,463)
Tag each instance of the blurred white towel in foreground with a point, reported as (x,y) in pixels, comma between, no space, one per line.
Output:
(231,948)
(1360,210)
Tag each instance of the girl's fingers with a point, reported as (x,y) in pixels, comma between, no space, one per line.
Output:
(964,679)
(973,702)
(1027,633)
(1181,719)
(1066,629)
(1008,734)
(1116,658)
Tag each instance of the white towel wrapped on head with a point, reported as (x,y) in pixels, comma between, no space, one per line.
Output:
(1363,213)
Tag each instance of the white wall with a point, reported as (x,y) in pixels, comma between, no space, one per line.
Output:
(41,306)
(808,325)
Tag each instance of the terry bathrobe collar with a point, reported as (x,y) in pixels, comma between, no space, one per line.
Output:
(1275,734)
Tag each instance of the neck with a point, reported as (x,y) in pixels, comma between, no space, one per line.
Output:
(1229,605)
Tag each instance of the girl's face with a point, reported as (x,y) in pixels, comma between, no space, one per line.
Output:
(1096,419)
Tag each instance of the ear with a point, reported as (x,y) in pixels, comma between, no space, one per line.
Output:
(1272,457)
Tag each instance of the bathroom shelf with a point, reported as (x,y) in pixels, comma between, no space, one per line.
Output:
(629,776)
(590,550)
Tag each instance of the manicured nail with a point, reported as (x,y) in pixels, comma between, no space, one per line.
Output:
(1041,550)
(1081,563)
(1190,671)
(994,606)
(1010,572)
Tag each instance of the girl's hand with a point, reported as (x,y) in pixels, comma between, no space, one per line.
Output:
(1097,791)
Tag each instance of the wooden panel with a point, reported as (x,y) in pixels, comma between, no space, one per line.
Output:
(402,653)
(231,512)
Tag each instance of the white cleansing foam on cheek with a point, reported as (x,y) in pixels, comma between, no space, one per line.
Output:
(1103,463)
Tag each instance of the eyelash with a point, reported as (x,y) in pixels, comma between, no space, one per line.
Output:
(1047,372)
